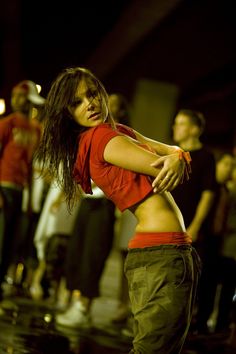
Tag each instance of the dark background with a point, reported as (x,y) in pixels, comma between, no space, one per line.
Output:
(191,44)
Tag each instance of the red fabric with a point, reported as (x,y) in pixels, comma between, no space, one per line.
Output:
(187,158)
(19,138)
(117,183)
(150,239)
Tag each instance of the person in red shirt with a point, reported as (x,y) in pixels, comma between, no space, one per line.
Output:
(136,173)
(19,137)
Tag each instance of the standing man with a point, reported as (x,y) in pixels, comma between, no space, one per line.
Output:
(19,137)
(196,196)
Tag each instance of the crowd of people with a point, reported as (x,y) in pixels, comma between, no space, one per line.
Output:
(75,176)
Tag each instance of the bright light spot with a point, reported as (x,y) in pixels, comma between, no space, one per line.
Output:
(48,317)
(2,106)
(39,88)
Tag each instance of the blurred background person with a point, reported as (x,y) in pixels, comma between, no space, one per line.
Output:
(55,226)
(211,245)
(19,137)
(120,108)
(88,248)
(227,269)
(28,260)
(195,197)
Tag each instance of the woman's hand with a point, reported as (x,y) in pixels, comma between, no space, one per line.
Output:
(168,171)
(171,174)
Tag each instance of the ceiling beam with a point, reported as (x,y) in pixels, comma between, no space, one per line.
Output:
(136,22)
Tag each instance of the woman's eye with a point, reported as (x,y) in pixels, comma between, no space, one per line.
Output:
(92,94)
(76,103)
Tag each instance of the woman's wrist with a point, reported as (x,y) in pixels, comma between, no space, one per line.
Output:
(186,158)
(183,155)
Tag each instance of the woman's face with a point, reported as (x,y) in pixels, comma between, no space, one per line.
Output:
(89,108)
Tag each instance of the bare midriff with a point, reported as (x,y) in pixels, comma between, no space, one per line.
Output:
(157,213)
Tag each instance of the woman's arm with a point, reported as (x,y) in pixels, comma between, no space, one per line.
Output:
(166,152)
(160,148)
(123,152)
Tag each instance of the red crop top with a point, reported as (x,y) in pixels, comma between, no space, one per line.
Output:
(125,188)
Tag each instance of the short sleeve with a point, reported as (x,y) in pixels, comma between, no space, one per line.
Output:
(101,138)
(104,134)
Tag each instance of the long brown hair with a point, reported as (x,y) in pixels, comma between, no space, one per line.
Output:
(58,148)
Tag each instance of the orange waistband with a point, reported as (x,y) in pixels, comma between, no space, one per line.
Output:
(149,239)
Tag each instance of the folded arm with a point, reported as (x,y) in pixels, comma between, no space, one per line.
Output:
(124,152)
(160,148)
